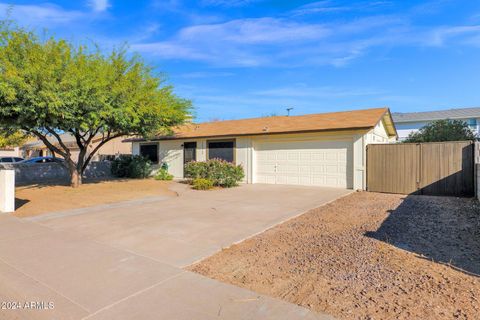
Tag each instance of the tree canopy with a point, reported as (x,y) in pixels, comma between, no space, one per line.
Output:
(12,139)
(49,86)
(442,130)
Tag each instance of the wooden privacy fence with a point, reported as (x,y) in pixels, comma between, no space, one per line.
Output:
(443,168)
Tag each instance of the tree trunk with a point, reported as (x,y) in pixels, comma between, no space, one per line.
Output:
(75,178)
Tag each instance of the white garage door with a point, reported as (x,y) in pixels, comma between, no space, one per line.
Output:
(310,163)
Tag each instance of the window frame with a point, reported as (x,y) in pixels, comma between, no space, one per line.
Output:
(234,147)
(472,123)
(195,153)
(150,144)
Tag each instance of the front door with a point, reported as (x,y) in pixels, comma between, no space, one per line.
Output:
(189,152)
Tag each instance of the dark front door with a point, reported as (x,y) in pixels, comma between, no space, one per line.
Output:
(189,152)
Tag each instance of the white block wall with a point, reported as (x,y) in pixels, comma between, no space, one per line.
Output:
(7,190)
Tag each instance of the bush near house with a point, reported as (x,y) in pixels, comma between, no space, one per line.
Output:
(163,174)
(221,173)
(128,166)
(442,130)
(202,184)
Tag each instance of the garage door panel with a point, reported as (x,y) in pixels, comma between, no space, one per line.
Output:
(267,169)
(330,156)
(319,163)
(317,169)
(331,168)
(281,179)
(305,169)
(293,156)
(304,180)
(306,156)
(318,156)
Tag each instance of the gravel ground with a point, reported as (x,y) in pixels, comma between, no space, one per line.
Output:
(367,256)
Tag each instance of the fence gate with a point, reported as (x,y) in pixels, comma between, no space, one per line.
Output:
(443,168)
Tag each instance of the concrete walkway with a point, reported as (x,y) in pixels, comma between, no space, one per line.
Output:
(125,261)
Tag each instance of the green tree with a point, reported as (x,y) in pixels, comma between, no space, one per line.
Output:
(12,139)
(50,86)
(442,130)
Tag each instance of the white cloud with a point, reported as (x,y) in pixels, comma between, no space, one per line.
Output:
(228,3)
(99,5)
(270,42)
(42,15)
(237,42)
(289,41)
(441,35)
(256,31)
(275,41)
(205,74)
(328,6)
(321,7)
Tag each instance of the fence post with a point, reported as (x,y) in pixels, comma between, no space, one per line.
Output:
(7,190)
(418,173)
(476,168)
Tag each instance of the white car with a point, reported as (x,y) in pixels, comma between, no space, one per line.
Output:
(10,159)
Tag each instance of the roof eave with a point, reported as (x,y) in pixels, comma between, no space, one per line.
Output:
(164,138)
(434,119)
(389,123)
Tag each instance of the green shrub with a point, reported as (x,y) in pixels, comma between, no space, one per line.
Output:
(163,174)
(194,170)
(221,173)
(128,166)
(120,165)
(202,184)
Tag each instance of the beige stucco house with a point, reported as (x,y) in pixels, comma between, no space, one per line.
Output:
(36,148)
(10,152)
(325,149)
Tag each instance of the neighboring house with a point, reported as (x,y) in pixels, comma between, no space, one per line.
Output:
(10,152)
(411,122)
(37,148)
(318,149)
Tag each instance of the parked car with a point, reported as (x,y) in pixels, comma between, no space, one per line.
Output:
(10,159)
(43,160)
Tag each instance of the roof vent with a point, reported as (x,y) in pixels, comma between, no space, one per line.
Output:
(265,129)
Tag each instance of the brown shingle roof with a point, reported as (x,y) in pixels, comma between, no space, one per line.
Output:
(357,119)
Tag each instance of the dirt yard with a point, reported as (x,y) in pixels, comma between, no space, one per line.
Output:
(367,256)
(38,199)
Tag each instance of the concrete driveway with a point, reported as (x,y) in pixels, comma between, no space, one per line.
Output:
(125,260)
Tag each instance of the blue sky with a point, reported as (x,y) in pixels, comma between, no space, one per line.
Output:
(249,58)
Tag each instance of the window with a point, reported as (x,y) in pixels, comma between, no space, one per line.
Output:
(221,150)
(17,159)
(6,160)
(149,151)
(472,123)
(189,152)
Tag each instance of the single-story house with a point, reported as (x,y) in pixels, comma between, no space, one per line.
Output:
(10,152)
(326,149)
(111,149)
(407,123)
